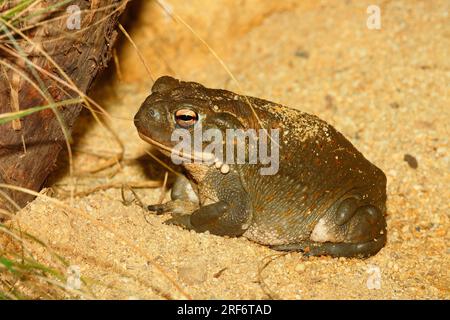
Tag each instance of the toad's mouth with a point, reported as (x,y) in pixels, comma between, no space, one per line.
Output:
(193,155)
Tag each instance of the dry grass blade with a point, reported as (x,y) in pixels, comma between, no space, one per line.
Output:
(118,185)
(163,188)
(162,163)
(264,286)
(177,18)
(137,51)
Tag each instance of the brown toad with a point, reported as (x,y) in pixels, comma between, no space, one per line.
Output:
(325,199)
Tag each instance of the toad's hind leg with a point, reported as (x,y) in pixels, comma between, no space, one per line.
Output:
(354,230)
(341,249)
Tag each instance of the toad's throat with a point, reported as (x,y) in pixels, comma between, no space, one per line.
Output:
(194,155)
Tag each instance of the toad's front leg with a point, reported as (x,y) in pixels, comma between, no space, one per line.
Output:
(184,200)
(228,214)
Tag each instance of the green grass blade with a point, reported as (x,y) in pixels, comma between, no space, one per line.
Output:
(10,116)
(8,264)
(17,9)
(46,9)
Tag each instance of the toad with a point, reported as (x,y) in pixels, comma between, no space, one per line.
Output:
(325,197)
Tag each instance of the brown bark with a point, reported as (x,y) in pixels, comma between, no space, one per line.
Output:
(81,54)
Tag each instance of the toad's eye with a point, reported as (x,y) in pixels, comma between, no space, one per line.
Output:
(186,118)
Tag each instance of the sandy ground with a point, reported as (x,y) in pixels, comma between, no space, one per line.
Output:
(387,90)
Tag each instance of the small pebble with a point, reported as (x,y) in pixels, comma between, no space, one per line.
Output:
(300,267)
(395,105)
(441,151)
(225,169)
(218,164)
(302,54)
(405,229)
(191,274)
(411,160)
(392,173)
(330,102)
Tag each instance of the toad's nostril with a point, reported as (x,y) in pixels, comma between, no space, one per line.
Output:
(154,114)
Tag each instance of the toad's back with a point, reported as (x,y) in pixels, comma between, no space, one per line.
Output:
(318,170)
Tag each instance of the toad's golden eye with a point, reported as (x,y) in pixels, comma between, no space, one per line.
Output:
(186,118)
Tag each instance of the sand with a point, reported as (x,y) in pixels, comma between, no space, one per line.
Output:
(387,90)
